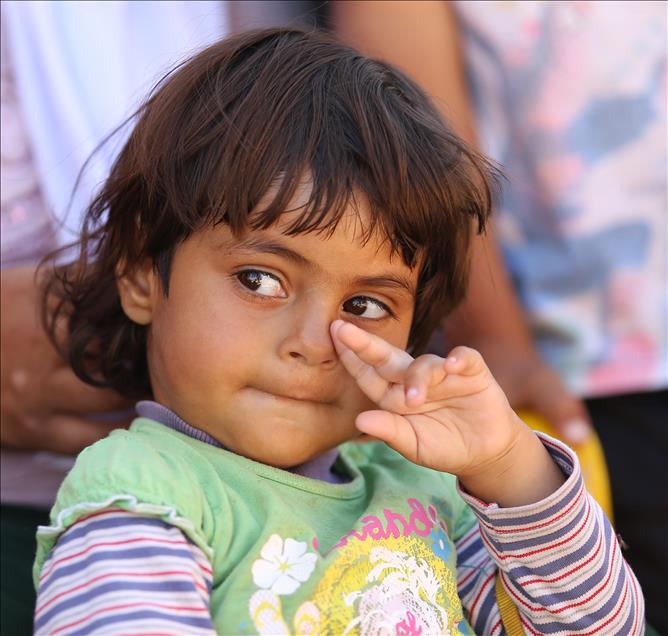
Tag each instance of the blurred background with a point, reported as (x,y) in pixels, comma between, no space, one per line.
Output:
(569,292)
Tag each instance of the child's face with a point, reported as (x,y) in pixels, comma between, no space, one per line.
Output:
(241,346)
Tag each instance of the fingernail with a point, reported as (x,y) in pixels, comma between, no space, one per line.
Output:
(577,431)
(336,325)
(412,393)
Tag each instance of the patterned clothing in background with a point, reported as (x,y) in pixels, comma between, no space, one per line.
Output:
(571,100)
(26,229)
(82,68)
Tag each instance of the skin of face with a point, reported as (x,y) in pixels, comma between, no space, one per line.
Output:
(241,345)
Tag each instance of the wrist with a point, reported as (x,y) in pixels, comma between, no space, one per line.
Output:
(524,474)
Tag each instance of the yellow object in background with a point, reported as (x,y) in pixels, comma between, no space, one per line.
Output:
(592,460)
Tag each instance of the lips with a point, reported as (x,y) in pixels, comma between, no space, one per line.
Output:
(298,395)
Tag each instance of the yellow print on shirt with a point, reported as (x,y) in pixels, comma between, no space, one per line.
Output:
(385,585)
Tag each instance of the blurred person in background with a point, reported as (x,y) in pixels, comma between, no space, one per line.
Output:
(72,72)
(570,99)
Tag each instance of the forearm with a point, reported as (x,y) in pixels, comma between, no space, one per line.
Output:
(489,287)
(559,561)
(419,38)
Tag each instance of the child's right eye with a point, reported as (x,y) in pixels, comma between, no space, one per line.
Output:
(261,283)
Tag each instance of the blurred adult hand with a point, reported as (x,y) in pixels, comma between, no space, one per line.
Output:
(532,385)
(44,406)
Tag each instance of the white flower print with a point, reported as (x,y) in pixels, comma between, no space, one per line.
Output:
(284,566)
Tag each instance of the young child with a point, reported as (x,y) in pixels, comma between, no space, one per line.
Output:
(287,221)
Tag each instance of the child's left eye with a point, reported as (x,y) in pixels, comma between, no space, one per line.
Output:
(366,307)
(261,283)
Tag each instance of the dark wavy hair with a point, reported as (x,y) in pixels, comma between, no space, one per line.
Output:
(252,114)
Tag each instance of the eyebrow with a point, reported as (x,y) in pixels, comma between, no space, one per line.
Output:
(268,246)
(391,281)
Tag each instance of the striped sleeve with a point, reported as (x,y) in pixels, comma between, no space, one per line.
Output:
(117,572)
(558,559)
(476,572)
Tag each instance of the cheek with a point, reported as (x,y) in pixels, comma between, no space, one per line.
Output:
(353,399)
(396,332)
(195,350)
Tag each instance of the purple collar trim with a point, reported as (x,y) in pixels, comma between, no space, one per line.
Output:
(159,413)
(320,467)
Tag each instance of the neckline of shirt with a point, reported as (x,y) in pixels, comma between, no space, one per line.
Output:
(320,468)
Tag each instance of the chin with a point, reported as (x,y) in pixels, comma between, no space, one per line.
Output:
(286,458)
(288,454)
(288,442)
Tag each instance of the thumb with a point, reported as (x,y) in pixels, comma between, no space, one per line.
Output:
(391,428)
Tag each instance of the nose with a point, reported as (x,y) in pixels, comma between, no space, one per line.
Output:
(308,339)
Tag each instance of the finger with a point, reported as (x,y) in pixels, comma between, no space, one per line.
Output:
(390,428)
(70,434)
(389,361)
(465,361)
(371,382)
(425,372)
(372,385)
(65,391)
(366,377)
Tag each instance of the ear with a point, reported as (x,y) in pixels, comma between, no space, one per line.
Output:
(138,291)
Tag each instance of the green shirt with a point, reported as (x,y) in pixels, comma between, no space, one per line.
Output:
(289,554)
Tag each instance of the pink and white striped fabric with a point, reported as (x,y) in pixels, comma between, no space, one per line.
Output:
(115,572)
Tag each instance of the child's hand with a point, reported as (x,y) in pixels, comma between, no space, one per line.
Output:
(448,414)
